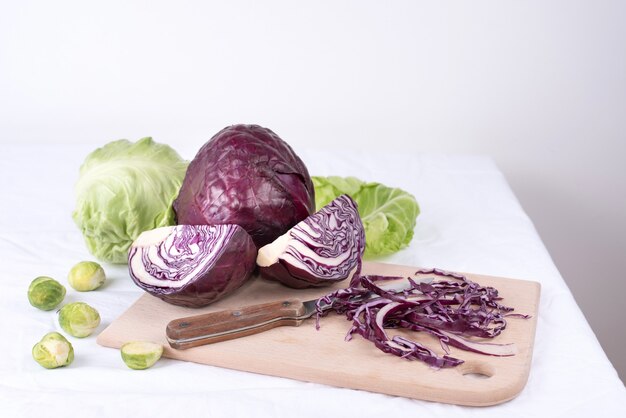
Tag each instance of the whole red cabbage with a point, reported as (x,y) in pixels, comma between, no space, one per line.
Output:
(246,175)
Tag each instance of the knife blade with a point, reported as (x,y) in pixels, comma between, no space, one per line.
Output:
(212,327)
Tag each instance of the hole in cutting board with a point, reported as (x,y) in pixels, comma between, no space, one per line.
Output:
(476,375)
(476,370)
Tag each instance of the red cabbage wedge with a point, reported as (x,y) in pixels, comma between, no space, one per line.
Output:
(325,248)
(248,176)
(451,310)
(191,265)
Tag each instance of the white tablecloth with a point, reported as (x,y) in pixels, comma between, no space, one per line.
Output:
(470,221)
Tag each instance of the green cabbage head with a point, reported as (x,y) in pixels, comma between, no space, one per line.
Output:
(126,188)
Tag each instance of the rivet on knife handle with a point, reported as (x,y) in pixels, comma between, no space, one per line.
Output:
(225,325)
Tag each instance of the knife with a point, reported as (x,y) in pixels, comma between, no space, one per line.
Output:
(212,327)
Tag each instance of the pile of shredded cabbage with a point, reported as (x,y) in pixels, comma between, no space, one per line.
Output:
(452,310)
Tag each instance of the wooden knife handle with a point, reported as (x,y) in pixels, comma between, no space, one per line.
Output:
(193,331)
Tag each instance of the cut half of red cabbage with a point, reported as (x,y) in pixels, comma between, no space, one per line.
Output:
(192,265)
(324,248)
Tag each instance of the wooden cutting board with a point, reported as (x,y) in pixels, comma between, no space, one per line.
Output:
(303,353)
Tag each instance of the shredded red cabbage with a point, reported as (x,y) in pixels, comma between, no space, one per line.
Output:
(450,310)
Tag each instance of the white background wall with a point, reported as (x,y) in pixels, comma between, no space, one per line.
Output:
(539,85)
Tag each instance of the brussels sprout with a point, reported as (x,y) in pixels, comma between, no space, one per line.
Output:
(140,355)
(45,293)
(53,351)
(86,276)
(78,319)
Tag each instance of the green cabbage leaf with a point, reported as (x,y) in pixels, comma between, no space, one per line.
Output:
(125,188)
(388,214)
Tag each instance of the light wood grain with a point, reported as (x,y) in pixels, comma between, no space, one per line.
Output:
(303,353)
